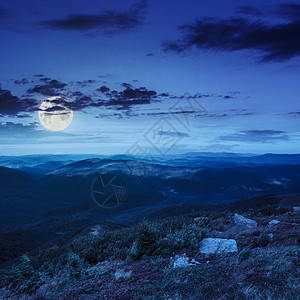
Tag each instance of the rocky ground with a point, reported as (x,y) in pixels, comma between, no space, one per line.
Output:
(203,255)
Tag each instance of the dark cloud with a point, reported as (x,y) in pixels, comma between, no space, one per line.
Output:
(250,10)
(56,108)
(164,95)
(21,81)
(50,88)
(288,11)
(295,113)
(78,100)
(85,83)
(131,96)
(256,136)
(126,85)
(227,97)
(103,89)
(275,42)
(82,102)
(77,94)
(109,22)
(12,105)
(59,106)
(45,79)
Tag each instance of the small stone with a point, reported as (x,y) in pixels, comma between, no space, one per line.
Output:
(273,222)
(198,219)
(270,237)
(193,261)
(181,262)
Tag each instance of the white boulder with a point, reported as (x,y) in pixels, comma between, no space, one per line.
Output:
(240,220)
(217,245)
(296,208)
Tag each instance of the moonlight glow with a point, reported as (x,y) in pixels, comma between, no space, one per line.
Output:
(54,114)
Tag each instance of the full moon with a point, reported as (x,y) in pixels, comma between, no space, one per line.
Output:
(54,114)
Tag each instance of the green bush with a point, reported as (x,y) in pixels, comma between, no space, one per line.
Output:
(23,278)
(263,240)
(244,254)
(188,237)
(145,243)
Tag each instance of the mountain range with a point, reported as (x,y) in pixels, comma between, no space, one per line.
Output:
(45,196)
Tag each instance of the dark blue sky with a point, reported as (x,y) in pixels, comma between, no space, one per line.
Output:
(125,68)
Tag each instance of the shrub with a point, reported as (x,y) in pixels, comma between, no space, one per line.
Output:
(263,240)
(188,237)
(23,277)
(75,265)
(244,254)
(145,244)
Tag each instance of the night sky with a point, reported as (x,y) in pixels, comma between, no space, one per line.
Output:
(167,77)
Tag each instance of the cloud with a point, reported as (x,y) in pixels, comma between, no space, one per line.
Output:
(130,96)
(103,89)
(10,129)
(123,100)
(294,113)
(250,10)
(108,22)
(10,126)
(78,100)
(288,11)
(22,81)
(227,97)
(26,132)
(256,136)
(173,134)
(50,88)
(82,102)
(12,105)
(275,42)
(85,83)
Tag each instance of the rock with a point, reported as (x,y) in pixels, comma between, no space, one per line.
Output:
(96,230)
(217,245)
(273,222)
(270,237)
(240,220)
(183,261)
(296,208)
(193,261)
(201,219)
